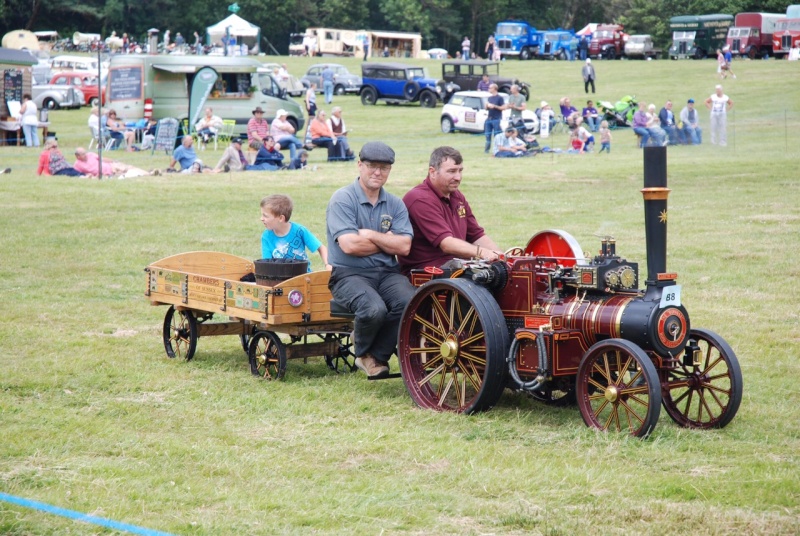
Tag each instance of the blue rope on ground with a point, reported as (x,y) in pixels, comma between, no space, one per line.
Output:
(78,516)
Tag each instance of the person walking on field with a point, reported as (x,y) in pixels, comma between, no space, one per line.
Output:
(588,75)
(719,104)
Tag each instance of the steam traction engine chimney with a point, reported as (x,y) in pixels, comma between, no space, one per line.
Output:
(655,194)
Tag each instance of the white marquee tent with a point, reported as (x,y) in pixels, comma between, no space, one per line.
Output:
(244,32)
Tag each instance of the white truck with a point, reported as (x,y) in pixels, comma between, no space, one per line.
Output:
(641,47)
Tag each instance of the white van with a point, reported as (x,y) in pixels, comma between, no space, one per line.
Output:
(81,64)
(161,83)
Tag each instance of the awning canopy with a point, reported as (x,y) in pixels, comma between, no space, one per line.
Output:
(238,27)
(190,69)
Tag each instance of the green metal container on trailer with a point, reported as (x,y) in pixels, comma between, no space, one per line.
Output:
(698,36)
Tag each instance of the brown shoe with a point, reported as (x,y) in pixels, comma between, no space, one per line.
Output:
(372,367)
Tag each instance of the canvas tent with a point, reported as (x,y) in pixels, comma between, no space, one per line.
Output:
(235,26)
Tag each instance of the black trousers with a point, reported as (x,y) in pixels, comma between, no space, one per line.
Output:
(586,85)
(377,297)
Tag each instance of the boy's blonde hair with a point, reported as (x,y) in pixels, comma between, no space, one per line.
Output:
(278,205)
(604,124)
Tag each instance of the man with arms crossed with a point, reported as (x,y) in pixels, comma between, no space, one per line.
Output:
(442,220)
(366,228)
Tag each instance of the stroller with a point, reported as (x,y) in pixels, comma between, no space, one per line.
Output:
(619,114)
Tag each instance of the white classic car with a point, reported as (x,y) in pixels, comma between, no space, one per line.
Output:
(466,111)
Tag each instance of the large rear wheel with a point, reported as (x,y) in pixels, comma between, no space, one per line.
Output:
(618,389)
(707,393)
(452,346)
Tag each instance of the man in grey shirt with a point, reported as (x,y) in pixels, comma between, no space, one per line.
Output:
(367,227)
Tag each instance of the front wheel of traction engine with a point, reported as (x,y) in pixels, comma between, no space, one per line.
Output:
(618,388)
(452,345)
(267,355)
(180,334)
(705,390)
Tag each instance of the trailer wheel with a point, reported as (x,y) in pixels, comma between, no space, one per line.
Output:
(343,359)
(706,395)
(180,334)
(452,346)
(618,389)
(267,355)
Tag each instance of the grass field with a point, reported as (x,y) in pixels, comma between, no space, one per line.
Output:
(96,419)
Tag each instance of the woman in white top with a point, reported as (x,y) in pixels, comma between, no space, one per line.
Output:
(29,119)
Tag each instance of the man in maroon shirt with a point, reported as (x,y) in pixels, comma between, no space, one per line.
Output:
(443,223)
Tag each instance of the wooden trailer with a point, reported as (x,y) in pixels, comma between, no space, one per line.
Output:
(209,295)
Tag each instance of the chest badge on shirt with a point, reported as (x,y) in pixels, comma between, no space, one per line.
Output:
(462,211)
(386,223)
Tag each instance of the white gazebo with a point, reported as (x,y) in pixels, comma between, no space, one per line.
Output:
(235,26)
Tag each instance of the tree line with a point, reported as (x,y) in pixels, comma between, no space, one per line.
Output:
(442,23)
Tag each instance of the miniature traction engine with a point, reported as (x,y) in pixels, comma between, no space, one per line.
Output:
(566,329)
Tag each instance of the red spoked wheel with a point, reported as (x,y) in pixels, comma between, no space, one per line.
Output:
(267,355)
(707,393)
(180,334)
(618,389)
(452,347)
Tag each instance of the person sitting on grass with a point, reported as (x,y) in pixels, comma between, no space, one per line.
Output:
(283,239)
(233,159)
(575,143)
(508,145)
(185,156)
(300,161)
(584,135)
(267,157)
(52,162)
(87,163)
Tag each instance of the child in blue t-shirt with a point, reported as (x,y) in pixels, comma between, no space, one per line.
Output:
(282,239)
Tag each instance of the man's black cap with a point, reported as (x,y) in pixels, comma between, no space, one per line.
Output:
(376,151)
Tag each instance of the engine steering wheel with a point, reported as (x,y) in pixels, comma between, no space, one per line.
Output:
(515,251)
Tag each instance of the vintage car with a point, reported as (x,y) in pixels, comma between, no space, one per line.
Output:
(343,80)
(53,97)
(467,74)
(466,111)
(290,83)
(87,85)
(396,83)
